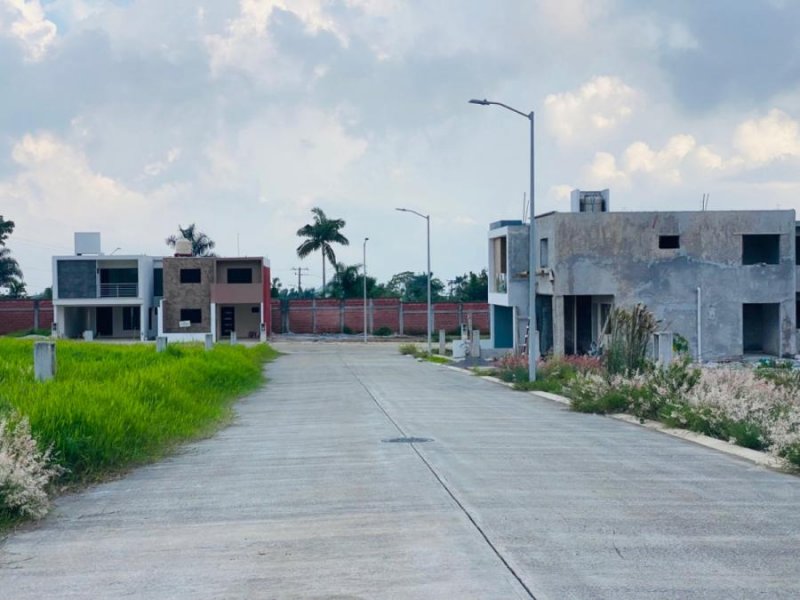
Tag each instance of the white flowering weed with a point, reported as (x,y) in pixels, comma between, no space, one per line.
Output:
(25,471)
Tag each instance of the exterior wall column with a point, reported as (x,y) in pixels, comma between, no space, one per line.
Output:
(213,318)
(558,325)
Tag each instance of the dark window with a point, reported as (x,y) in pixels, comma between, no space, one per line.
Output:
(190,275)
(797,250)
(761,249)
(119,275)
(195,315)
(544,253)
(797,311)
(240,275)
(669,241)
(255,309)
(158,282)
(131,318)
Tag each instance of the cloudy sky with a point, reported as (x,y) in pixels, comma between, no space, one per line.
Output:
(131,116)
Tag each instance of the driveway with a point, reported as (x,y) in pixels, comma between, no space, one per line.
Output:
(512,497)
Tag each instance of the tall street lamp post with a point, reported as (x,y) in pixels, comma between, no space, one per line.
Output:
(366,239)
(533,335)
(430,313)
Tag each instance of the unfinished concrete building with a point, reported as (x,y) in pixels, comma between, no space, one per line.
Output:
(724,280)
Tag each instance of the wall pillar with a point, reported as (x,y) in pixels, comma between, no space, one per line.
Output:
(558,325)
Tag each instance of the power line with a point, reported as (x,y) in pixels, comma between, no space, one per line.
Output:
(299,271)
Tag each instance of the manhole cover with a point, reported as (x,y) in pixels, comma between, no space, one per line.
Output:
(407,440)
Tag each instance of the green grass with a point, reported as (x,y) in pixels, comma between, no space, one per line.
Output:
(24,332)
(435,358)
(112,407)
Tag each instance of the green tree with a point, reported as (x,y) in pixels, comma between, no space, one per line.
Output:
(348,282)
(413,287)
(202,245)
(471,287)
(320,235)
(16,289)
(10,273)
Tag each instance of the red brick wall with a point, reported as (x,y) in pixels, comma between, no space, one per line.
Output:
(17,315)
(328,316)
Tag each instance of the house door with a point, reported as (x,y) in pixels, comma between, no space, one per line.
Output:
(228,320)
(105,321)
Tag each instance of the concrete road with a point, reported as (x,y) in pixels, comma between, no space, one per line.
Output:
(513,497)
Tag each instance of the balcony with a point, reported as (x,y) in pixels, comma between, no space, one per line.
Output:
(236,293)
(119,290)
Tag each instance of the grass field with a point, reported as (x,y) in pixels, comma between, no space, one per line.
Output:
(112,407)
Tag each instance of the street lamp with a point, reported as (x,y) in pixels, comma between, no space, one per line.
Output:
(430,314)
(533,336)
(366,239)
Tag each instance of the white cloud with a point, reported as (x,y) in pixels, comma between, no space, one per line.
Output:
(604,172)
(158,167)
(56,182)
(572,17)
(26,21)
(245,44)
(600,104)
(665,163)
(775,136)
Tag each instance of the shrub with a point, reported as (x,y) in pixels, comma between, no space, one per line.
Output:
(513,368)
(409,349)
(630,333)
(25,470)
(383,331)
(347,330)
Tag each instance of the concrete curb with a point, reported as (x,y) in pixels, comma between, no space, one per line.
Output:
(760,458)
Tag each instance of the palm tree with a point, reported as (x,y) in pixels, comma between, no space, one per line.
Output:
(347,281)
(202,245)
(10,272)
(321,234)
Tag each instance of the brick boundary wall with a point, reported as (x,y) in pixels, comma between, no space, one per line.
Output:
(20,315)
(409,318)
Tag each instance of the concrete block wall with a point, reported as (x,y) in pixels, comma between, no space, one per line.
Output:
(331,315)
(19,315)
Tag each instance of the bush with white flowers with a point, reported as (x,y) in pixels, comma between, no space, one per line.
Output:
(25,470)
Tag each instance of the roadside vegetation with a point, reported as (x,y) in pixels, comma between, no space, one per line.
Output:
(757,408)
(417,352)
(110,408)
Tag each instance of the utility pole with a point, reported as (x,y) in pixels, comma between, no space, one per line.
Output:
(299,276)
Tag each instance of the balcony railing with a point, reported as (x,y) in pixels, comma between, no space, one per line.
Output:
(119,290)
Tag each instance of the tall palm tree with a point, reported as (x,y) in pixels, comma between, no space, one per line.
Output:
(320,235)
(10,272)
(202,245)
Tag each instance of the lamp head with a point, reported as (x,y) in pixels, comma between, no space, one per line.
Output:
(483,102)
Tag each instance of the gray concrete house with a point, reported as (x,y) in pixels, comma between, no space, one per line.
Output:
(724,280)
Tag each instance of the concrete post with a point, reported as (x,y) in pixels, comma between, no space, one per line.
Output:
(442,342)
(475,350)
(371,323)
(313,315)
(161,344)
(44,360)
(234,341)
(36,314)
(662,348)
(400,317)
(209,340)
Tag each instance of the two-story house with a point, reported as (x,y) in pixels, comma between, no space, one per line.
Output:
(724,280)
(108,296)
(182,298)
